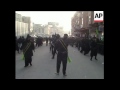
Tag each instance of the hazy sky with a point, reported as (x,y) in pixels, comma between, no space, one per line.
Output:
(43,17)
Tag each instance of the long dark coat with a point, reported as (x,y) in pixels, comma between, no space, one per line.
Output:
(94,48)
(28,52)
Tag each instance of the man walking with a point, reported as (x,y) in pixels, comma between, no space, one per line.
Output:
(61,46)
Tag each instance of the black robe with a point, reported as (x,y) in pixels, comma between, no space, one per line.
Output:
(28,52)
(87,47)
(17,48)
(94,48)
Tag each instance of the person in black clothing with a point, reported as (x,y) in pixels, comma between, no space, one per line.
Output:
(37,42)
(22,41)
(53,45)
(71,41)
(79,44)
(49,40)
(46,41)
(28,47)
(87,46)
(40,40)
(94,49)
(61,46)
(17,48)
(76,42)
(82,45)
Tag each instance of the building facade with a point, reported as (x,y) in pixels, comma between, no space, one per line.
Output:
(37,29)
(53,27)
(28,21)
(46,32)
(76,23)
(84,19)
(60,31)
(21,28)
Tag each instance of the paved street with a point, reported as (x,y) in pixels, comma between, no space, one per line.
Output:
(44,67)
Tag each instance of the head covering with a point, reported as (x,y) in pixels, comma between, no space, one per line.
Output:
(57,36)
(65,34)
(28,37)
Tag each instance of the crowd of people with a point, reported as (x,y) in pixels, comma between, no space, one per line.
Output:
(27,47)
(19,43)
(38,41)
(83,44)
(59,47)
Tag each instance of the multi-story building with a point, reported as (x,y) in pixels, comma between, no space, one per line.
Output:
(81,19)
(60,31)
(21,28)
(84,18)
(76,23)
(96,26)
(27,20)
(37,28)
(73,23)
(53,28)
(83,23)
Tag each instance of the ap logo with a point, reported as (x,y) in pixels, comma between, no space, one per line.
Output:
(98,16)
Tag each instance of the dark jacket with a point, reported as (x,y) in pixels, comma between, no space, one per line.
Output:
(17,48)
(59,47)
